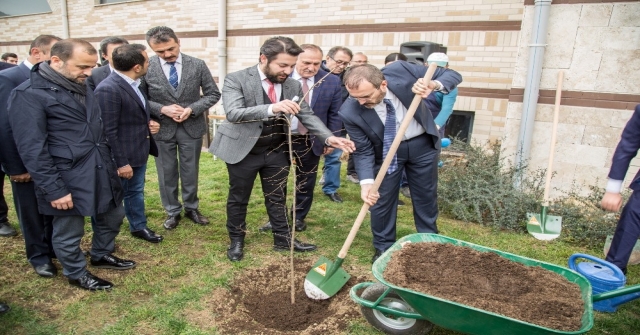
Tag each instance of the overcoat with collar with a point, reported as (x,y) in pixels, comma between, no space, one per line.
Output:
(243,99)
(63,146)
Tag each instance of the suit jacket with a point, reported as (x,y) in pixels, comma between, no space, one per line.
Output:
(98,75)
(126,122)
(366,129)
(4,66)
(325,103)
(9,157)
(243,98)
(195,76)
(63,146)
(626,150)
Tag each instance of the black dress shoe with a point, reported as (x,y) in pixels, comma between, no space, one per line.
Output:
(376,255)
(335,197)
(297,246)
(113,262)
(147,235)
(4,308)
(267,226)
(300,225)
(91,283)
(47,270)
(197,217)
(234,253)
(171,222)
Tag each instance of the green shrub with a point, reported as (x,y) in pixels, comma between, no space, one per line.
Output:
(476,184)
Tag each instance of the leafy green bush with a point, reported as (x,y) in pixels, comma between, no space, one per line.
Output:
(480,187)
(476,184)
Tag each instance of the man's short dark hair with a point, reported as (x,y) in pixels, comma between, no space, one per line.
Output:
(111,40)
(64,49)
(5,56)
(392,57)
(126,56)
(277,45)
(355,75)
(311,47)
(42,42)
(161,34)
(333,51)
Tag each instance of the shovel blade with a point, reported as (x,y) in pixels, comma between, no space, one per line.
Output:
(325,279)
(546,230)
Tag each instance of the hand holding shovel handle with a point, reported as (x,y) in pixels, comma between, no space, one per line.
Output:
(385,164)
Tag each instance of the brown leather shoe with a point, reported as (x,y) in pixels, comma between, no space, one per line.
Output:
(197,217)
(171,222)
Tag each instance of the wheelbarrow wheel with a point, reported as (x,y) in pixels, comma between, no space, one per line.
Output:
(391,324)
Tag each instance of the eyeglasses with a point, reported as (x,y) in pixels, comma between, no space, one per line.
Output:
(340,62)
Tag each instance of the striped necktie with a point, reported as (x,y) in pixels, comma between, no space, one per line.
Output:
(389,135)
(173,75)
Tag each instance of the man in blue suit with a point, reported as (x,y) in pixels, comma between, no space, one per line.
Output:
(628,230)
(125,115)
(374,111)
(325,101)
(35,227)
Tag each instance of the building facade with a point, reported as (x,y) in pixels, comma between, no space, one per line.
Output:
(596,43)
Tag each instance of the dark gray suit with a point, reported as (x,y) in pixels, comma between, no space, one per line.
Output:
(183,139)
(246,108)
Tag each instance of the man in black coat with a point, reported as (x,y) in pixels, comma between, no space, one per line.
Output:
(35,227)
(58,131)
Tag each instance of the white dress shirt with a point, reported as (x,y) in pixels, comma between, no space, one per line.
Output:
(310,82)
(27,64)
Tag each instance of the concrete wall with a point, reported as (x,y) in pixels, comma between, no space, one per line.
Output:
(598,48)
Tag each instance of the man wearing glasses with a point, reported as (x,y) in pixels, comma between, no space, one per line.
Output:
(372,115)
(337,60)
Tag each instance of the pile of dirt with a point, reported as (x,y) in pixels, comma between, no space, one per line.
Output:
(259,302)
(489,282)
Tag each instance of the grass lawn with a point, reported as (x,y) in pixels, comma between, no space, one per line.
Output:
(166,292)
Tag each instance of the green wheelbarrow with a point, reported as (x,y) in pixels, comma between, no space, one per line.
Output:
(396,310)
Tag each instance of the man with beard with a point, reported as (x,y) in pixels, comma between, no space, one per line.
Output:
(58,132)
(252,140)
(379,101)
(127,123)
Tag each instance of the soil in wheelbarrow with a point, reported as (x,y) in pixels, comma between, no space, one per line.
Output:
(489,282)
(259,302)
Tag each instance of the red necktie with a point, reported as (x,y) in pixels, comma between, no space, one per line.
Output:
(305,89)
(272,92)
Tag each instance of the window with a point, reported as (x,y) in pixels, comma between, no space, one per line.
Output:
(21,7)
(460,125)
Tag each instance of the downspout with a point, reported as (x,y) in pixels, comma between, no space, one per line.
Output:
(65,19)
(222,41)
(532,85)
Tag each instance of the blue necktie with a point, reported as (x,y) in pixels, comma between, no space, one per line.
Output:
(389,135)
(173,75)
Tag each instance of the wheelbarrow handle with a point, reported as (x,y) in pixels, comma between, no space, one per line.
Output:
(616,293)
(376,304)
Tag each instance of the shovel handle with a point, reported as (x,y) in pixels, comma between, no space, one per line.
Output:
(417,99)
(554,129)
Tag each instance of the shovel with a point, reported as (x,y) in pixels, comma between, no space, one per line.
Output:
(326,278)
(542,226)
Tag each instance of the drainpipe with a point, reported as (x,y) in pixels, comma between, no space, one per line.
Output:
(65,19)
(222,41)
(532,85)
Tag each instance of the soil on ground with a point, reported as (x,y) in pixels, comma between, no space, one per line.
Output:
(259,302)
(489,282)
